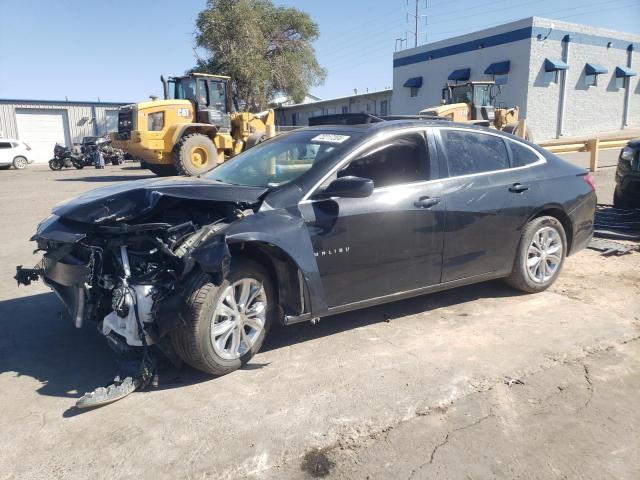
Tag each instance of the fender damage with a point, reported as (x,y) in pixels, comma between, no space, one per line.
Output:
(122,257)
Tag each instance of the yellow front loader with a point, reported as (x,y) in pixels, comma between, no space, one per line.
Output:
(472,102)
(192,129)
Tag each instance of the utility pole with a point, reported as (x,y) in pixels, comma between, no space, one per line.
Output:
(417,16)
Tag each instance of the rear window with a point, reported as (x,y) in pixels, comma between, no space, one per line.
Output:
(521,155)
(472,152)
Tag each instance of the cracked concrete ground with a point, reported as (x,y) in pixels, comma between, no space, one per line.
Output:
(477,382)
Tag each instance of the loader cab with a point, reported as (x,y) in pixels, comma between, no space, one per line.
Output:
(479,97)
(208,93)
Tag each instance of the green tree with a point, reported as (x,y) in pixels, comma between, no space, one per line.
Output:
(266,50)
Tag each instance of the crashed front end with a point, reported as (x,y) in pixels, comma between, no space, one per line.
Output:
(123,262)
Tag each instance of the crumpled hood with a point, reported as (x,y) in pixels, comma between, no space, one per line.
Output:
(128,200)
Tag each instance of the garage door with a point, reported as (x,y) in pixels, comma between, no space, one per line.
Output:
(41,130)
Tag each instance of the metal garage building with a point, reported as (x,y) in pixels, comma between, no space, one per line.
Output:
(375,103)
(43,123)
(567,78)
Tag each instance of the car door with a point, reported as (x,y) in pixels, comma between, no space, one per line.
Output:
(386,243)
(487,200)
(5,153)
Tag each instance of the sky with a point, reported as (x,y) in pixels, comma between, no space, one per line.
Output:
(116,50)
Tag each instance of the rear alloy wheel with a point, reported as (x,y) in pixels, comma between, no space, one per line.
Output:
(540,255)
(20,163)
(195,154)
(226,324)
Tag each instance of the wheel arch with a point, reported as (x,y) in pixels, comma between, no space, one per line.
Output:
(558,212)
(189,128)
(286,274)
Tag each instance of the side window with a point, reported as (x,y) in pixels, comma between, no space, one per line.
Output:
(521,155)
(203,92)
(399,160)
(5,145)
(470,152)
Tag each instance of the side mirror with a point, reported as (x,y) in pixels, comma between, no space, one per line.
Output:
(347,187)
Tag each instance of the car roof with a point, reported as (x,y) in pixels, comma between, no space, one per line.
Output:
(375,127)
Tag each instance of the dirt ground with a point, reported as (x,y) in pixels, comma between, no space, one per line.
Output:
(478,382)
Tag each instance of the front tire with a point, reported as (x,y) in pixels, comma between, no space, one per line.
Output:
(540,255)
(195,154)
(226,325)
(55,164)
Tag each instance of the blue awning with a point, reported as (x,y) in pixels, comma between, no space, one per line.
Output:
(551,65)
(594,69)
(624,72)
(460,75)
(498,68)
(414,82)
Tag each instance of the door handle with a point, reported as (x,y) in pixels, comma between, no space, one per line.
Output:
(426,202)
(518,188)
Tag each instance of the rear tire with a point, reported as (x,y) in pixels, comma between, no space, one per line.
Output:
(20,163)
(195,154)
(540,255)
(162,170)
(206,341)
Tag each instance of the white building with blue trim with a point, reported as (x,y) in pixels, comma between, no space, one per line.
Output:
(568,79)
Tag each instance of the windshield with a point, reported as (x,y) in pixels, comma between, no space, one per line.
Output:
(282,159)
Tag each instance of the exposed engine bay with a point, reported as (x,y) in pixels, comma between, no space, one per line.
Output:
(123,261)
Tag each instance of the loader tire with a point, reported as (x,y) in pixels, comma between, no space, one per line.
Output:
(512,128)
(194,154)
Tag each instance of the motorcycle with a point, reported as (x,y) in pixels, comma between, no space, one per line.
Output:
(111,155)
(64,157)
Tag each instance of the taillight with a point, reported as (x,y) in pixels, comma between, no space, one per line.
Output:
(590,181)
(27,146)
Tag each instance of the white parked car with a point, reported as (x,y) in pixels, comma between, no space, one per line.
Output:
(14,152)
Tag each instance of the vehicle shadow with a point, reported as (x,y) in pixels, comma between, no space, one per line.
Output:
(38,340)
(106,178)
(281,337)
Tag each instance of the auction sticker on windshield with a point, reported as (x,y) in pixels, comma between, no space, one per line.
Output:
(330,138)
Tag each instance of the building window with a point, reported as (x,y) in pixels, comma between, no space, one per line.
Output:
(591,80)
(551,77)
(384,107)
(345,109)
(413,91)
(294,119)
(501,79)
(368,107)
(619,82)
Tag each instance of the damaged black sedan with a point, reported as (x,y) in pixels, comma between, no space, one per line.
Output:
(311,223)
